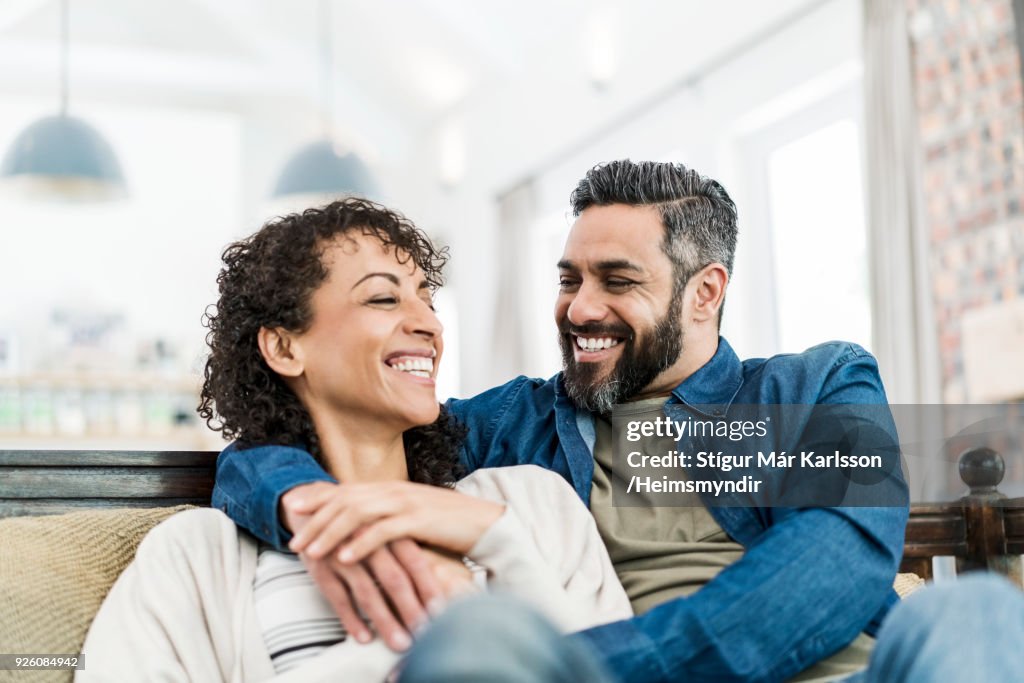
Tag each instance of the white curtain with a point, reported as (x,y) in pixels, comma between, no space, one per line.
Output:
(905,337)
(1018,18)
(517,209)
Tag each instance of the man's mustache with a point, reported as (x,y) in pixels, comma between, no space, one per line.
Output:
(596,330)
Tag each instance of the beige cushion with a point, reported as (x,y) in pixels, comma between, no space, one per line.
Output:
(55,572)
(905,584)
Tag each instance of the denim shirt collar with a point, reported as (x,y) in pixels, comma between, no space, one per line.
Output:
(714,384)
(713,387)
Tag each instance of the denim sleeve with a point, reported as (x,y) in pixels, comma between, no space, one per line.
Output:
(803,590)
(479,415)
(250,483)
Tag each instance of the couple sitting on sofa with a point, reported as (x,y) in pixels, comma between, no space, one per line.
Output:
(324,342)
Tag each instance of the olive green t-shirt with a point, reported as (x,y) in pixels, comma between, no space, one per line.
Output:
(661,552)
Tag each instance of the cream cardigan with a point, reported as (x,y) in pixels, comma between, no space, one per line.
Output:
(183,609)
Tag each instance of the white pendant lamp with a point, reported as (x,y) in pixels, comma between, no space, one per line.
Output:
(319,169)
(62,157)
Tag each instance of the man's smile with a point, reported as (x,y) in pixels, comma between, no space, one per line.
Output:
(591,349)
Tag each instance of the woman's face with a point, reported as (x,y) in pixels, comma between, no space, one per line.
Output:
(374,346)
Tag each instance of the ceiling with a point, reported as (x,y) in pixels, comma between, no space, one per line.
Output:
(399,66)
(410,59)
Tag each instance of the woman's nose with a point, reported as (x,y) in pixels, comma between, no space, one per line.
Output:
(423,320)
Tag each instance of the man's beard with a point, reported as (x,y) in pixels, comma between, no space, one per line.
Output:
(636,368)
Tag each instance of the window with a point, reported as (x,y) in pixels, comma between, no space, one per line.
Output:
(803,258)
(819,238)
(102,317)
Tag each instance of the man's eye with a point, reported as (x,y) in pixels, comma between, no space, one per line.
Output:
(619,284)
(566,283)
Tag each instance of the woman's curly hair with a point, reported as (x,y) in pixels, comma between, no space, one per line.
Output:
(268,280)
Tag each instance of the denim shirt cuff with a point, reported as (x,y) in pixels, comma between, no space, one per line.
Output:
(274,484)
(626,650)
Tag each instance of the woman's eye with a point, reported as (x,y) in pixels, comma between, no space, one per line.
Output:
(384,300)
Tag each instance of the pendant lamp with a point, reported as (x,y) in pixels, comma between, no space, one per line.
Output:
(319,168)
(62,157)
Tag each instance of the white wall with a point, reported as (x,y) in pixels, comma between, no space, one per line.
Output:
(543,119)
(152,257)
(551,137)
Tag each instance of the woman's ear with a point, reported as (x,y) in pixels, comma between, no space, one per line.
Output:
(280,351)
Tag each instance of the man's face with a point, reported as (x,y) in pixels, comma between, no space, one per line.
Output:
(619,316)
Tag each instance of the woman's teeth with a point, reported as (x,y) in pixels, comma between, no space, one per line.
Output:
(596,343)
(421,367)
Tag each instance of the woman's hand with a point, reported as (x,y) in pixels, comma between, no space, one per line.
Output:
(451,573)
(365,517)
(395,587)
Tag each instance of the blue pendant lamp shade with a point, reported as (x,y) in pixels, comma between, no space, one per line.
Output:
(63,157)
(63,148)
(318,169)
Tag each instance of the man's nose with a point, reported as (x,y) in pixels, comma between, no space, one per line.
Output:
(587,306)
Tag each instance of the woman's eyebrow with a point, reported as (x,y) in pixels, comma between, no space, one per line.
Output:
(387,276)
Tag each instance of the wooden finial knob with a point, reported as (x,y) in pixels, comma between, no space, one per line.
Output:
(981,469)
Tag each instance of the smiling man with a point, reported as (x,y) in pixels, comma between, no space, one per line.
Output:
(720,593)
(622,287)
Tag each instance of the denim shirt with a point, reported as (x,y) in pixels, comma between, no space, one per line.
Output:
(810,580)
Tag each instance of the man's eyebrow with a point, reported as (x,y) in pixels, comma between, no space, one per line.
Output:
(386,276)
(618,264)
(602,266)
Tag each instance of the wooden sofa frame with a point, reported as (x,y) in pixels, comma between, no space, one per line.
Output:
(982,530)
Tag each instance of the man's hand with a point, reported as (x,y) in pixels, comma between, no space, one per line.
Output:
(395,587)
(382,587)
(365,517)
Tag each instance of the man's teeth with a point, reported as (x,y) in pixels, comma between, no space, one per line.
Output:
(421,367)
(596,343)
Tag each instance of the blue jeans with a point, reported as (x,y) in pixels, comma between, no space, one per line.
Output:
(971,629)
(968,630)
(498,639)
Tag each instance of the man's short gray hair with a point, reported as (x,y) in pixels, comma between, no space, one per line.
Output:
(698,214)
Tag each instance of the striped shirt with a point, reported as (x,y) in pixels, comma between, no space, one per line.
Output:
(296,620)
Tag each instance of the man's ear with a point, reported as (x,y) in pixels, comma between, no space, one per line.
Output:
(709,291)
(281,351)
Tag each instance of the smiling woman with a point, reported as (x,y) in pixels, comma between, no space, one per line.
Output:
(326,295)
(325,339)
(368,357)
